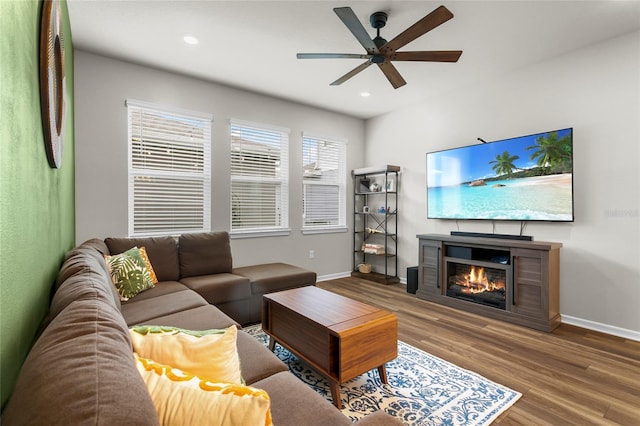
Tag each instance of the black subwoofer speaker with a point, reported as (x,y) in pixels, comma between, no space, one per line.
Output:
(412,279)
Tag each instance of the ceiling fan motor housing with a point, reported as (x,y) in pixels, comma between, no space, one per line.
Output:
(378,19)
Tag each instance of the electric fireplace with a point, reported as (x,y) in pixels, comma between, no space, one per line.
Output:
(478,274)
(478,284)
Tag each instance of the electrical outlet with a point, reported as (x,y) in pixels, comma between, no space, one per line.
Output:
(312,254)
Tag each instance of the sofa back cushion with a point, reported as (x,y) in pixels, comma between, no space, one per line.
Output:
(162,252)
(82,371)
(204,253)
(88,255)
(83,272)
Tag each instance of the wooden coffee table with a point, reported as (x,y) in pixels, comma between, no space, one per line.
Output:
(339,337)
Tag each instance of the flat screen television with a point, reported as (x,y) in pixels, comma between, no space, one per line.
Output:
(523,178)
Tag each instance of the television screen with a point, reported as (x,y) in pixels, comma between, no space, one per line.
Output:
(524,178)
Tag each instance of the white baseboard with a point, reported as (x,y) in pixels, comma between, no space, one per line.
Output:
(578,322)
(403,280)
(603,328)
(334,276)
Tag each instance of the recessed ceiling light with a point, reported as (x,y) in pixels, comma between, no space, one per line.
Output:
(365,94)
(190,39)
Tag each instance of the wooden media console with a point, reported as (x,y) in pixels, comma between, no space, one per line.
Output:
(511,280)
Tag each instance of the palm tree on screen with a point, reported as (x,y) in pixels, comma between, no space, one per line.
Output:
(552,152)
(503,164)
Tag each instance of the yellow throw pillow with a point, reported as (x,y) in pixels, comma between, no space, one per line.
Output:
(182,398)
(210,354)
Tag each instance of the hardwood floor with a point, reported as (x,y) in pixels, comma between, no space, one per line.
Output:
(570,376)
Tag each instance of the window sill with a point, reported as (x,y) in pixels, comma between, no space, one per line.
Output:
(331,230)
(259,234)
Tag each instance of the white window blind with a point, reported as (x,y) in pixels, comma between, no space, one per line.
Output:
(324,183)
(259,178)
(169,170)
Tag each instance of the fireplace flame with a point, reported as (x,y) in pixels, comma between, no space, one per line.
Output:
(477,282)
(477,276)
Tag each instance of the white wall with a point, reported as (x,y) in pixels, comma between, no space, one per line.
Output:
(101,87)
(594,90)
(597,92)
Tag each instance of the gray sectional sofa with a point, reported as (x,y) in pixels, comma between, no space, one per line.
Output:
(202,262)
(81,368)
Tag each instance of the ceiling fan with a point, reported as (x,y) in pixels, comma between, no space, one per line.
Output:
(381,52)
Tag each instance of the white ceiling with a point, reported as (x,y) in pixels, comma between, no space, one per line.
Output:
(253,44)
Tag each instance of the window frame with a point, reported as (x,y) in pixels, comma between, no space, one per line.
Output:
(340,182)
(281,180)
(200,176)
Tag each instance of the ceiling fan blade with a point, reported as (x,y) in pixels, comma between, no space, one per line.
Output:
(437,17)
(392,74)
(332,55)
(428,56)
(351,73)
(355,26)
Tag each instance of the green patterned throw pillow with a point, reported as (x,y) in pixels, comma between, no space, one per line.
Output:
(129,273)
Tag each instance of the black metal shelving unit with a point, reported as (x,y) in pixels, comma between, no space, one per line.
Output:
(375,231)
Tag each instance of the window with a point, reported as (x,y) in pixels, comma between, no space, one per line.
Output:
(259,179)
(169,170)
(324,182)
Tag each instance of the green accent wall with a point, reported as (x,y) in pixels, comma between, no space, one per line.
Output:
(37,213)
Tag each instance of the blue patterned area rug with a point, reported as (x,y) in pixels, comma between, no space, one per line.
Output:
(422,390)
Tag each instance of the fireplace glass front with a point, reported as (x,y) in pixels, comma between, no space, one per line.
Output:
(478,284)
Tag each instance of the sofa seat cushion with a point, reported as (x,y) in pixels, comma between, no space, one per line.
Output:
(271,277)
(160,289)
(219,288)
(256,360)
(204,253)
(81,371)
(311,409)
(162,252)
(136,311)
(246,311)
(200,318)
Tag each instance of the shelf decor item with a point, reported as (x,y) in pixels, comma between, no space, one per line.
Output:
(373,248)
(364,268)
